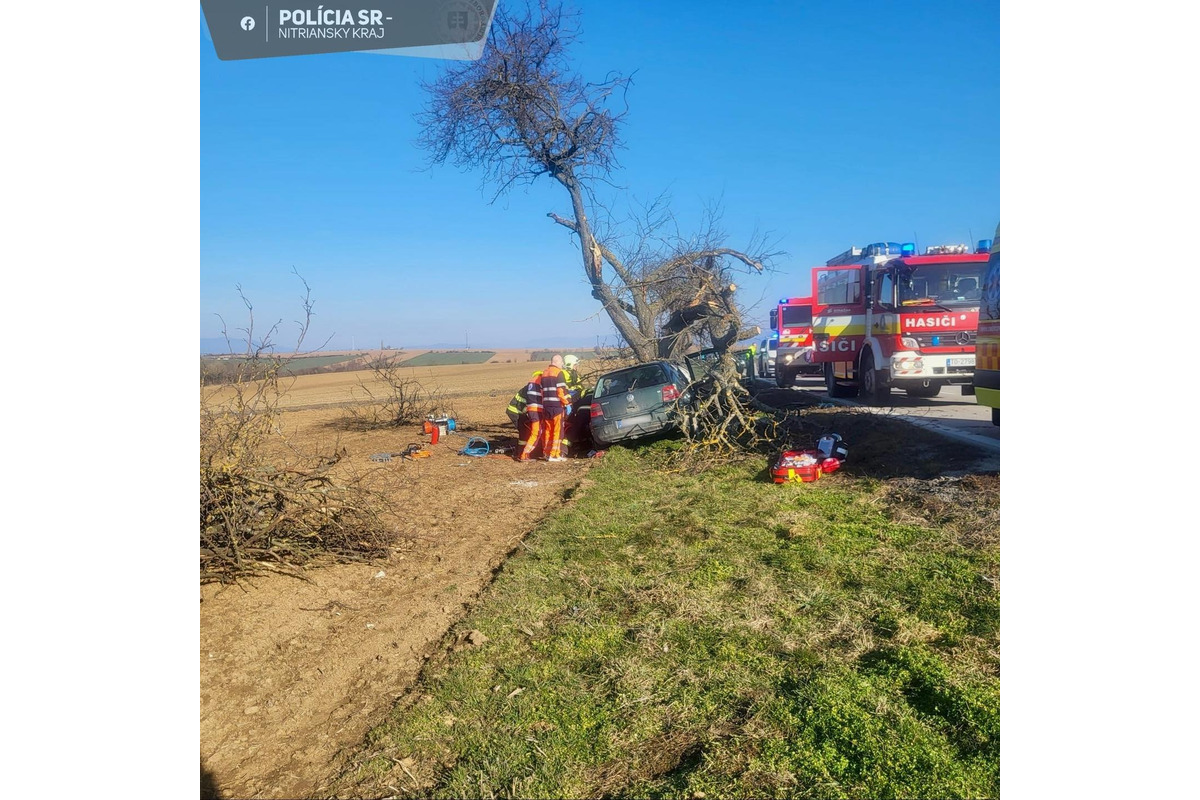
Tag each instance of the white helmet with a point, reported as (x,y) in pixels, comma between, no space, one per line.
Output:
(571,361)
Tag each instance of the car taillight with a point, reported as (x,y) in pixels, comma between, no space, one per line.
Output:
(669,393)
(597,411)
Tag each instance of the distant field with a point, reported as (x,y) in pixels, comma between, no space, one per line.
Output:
(452,357)
(293,364)
(216,368)
(546,355)
(298,365)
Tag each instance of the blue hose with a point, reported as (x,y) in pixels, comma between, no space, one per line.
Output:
(476,446)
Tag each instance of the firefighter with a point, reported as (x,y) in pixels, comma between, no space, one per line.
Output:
(577,431)
(575,388)
(529,420)
(516,406)
(571,376)
(516,410)
(555,404)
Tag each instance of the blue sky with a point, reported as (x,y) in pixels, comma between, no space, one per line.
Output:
(104,249)
(824,125)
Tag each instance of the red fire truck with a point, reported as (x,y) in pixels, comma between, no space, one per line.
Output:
(987,370)
(885,317)
(791,321)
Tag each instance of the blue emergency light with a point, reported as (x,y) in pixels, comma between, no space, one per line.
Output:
(984,246)
(935,341)
(908,249)
(881,249)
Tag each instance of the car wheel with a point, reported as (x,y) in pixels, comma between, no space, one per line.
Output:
(874,390)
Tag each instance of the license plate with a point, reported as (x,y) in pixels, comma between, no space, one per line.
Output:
(961,362)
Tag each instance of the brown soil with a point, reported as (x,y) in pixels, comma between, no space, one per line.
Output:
(292,672)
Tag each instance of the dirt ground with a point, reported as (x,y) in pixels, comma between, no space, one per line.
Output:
(292,671)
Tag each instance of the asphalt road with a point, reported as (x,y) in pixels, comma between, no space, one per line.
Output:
(951,413)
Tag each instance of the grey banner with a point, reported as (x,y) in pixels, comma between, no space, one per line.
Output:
(263,29)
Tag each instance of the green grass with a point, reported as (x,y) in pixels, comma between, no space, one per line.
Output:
(667,634)
(300,365)
(296,364)
(452,357)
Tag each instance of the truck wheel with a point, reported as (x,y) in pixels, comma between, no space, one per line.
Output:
(926,389)
(874,390)
(832,387)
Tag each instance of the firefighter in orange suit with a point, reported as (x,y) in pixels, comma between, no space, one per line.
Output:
(529,422)
(516,412)
(556,404)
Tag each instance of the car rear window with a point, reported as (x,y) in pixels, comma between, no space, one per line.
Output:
(627,380)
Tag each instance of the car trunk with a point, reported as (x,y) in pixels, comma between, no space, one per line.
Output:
(631,403)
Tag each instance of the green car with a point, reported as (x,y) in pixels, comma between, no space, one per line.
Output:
(638,401)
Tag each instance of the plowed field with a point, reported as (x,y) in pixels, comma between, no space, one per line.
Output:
(294,671)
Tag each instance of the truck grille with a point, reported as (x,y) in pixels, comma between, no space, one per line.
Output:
(948,339)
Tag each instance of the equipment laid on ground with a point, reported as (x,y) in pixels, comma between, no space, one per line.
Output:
(438,427)
(414,450)
(831,446)
(806,466)
(476,446)
(796,465)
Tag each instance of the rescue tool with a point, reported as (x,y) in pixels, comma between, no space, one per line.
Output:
(413,451)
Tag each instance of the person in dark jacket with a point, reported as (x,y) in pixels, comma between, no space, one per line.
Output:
(577,431)
(556,404)
(516,407)
(529,421)
(570,373)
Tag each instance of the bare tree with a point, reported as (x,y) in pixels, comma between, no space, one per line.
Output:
(519,113)
(265,503)
(395,397)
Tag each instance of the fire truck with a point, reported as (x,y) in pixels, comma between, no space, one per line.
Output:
(887,318)
(987,369)
(791,321)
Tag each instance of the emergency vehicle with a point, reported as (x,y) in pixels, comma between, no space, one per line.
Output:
(885,317)
(791,321)
(987,366)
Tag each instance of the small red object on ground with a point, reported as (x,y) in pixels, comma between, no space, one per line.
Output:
(797,466)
